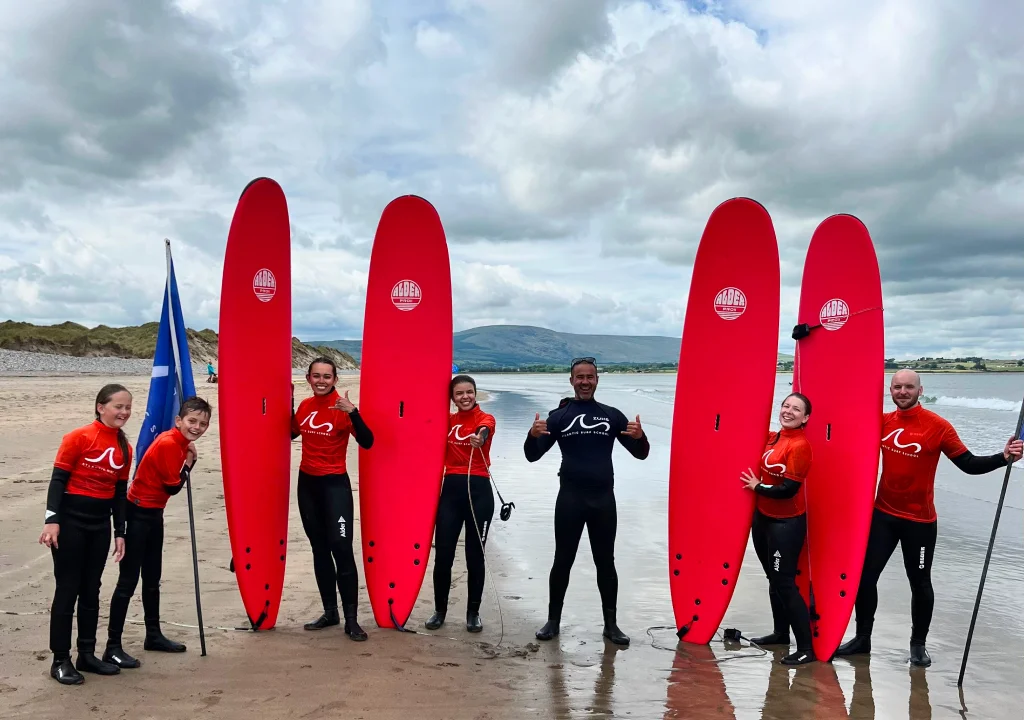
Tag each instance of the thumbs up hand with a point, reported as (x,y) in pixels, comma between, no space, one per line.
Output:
(540,427)
(634,429)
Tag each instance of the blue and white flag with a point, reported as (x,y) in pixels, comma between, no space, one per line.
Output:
(172,381)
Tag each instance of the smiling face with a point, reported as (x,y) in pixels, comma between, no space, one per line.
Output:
(905,389)
(116,411)
(584,380)
(464,396)
(193,425)
(321,378)
(793,413)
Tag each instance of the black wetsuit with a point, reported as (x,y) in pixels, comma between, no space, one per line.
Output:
(454,512)
(586,432)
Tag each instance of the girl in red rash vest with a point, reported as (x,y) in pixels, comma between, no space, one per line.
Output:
(780,525)
(88,486)
(163,471)
(454,511)
(325,421)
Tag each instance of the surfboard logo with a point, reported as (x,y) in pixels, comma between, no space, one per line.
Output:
(264,285)
(406,295)
(730,303)
(834,314)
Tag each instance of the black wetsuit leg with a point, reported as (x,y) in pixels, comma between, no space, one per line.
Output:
(782,541)
(595,510)
(570,519)
(780,616)
(882,541)
(326,508)
(152,567)
(483,509)
(917,540)
(70,558)
(137,540)
(454,513)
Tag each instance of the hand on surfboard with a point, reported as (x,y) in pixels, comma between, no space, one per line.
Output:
(1013,450)
(749,479)
(344,404)
(634,429)
(540,427)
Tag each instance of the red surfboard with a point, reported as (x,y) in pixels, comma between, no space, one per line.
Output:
(724,390)
(840,367)
(254,359)
(403,397)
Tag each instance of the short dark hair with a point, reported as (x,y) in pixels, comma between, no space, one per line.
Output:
(802,398)
(195,404)
(458,379)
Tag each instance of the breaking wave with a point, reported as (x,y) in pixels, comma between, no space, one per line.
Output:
(975,403)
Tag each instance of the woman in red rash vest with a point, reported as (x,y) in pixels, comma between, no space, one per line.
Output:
(88,485)
(453,511)
(163,471)
(780,525)
(325,421)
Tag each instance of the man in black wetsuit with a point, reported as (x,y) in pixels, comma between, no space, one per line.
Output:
(585,431)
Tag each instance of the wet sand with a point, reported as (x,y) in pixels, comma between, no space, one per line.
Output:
(289,672)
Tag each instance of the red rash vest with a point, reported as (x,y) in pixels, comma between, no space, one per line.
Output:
(911,442)
(461,426)
(160,467)
(325,432)
(788,457)
(93,457)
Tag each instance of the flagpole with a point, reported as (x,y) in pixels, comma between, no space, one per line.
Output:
(188,484)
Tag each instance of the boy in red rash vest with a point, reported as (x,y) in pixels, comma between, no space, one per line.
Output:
(162,472)
(779,529)
(87,487)
(912,439)
(461,486)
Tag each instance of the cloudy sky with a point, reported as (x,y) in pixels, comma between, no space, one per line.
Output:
(573,148)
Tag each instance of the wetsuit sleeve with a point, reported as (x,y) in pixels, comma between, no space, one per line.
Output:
(183,477)
(295,424)
(783,491)
(360,431)
(58,485)
(639,449)
(120,501)
(971,464)
(534,448)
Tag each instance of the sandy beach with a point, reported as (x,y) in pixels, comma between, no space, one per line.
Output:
(287,672)
(291,673)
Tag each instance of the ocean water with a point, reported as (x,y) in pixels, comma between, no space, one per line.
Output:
(591,680)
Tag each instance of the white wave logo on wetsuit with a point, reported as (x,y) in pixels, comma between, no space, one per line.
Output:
(768,466)
(900,447)
(459,438)
(310,422)
(109,455)
(589,429)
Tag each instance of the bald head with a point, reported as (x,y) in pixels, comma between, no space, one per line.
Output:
(905,389)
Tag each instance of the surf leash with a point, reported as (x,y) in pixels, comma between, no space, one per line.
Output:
(731,634)
(476,526)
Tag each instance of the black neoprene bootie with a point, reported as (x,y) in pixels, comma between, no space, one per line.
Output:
(859,645)
(436,620)
(88,662)
(64,672)
(329,618)
(775,638)
(115,655)
(611,630)
(800,657)
(473,623)
(919,655)
(156,641)
(352,628)
(550,628)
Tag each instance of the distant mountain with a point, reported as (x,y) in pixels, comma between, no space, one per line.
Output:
(511,346)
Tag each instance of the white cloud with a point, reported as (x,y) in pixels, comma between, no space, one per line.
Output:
(574,151)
